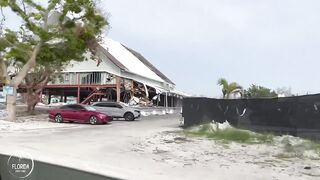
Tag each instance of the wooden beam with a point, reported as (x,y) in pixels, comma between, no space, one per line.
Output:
(118,88)
(51,86)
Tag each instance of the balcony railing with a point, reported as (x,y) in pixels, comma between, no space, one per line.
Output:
(96,78)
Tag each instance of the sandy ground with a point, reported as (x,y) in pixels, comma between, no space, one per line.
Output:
(226,161)
(39,122)
(150,148)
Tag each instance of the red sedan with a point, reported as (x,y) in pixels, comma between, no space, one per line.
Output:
(78,113)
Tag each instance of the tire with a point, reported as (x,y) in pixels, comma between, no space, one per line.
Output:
(93,120)
(128,116)
(58,118)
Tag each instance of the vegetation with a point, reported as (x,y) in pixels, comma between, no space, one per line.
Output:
(298,149)
(228,88)
(35,82)
(50,36)
(229,134)
(260,92)
(291,147)
(254,91)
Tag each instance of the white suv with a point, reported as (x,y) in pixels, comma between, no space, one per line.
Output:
(117,110)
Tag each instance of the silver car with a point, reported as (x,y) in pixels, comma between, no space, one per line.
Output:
(117,110)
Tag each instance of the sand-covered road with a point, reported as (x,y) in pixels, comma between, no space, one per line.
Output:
(148,149)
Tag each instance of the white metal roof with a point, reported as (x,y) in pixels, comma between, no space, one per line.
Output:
(131,62)
(134,68)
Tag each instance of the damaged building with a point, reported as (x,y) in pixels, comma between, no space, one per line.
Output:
(120,74)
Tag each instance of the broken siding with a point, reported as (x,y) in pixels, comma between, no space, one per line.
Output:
(152,83)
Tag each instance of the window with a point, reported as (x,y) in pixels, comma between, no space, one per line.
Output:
(90,108)
(100,105)
(66,77)
(75,107)
(119,106)
(64,107)
(111,105)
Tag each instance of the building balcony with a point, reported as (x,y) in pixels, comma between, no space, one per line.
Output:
(87,78)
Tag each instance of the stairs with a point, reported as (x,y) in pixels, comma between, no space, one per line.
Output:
(93,94)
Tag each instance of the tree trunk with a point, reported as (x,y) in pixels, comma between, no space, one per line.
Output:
(32,100)
(16,81)
(11,105)
(34,88)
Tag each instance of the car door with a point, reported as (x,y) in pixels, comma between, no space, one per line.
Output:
(82,114)
(66,112)
(74,112)
(105,108)
(70,112)
(118,110)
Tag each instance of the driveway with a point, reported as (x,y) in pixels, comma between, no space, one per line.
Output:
(103,149)
(150,148)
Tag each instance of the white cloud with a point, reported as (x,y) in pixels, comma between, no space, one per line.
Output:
(269,42)
(272,43)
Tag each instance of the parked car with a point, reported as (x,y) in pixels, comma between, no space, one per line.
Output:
(78,113)
(117,110)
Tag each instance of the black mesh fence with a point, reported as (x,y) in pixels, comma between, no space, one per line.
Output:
(299,115)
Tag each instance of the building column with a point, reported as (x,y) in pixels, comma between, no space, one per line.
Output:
(49,98)
(47,95)
(78,94)
(61,96)
(166,104)
(172,101)
(118,88)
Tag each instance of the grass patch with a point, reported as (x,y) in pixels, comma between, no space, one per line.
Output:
(299,148)
(228,134)
(231,134)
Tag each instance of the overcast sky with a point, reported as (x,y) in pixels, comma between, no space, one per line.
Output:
(273,43)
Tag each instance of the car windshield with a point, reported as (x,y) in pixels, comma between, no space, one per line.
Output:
(90,108)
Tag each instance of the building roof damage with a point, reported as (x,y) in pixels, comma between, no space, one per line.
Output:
(122,61)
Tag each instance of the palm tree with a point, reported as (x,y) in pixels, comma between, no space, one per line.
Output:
(228,89)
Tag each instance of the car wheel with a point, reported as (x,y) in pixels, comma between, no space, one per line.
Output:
(58,118)
(128,116)
(93,120)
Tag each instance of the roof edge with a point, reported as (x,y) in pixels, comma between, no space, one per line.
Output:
(149,65)
(112,58)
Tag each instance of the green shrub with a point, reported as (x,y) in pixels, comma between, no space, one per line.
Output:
(228,134)
(231,134)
